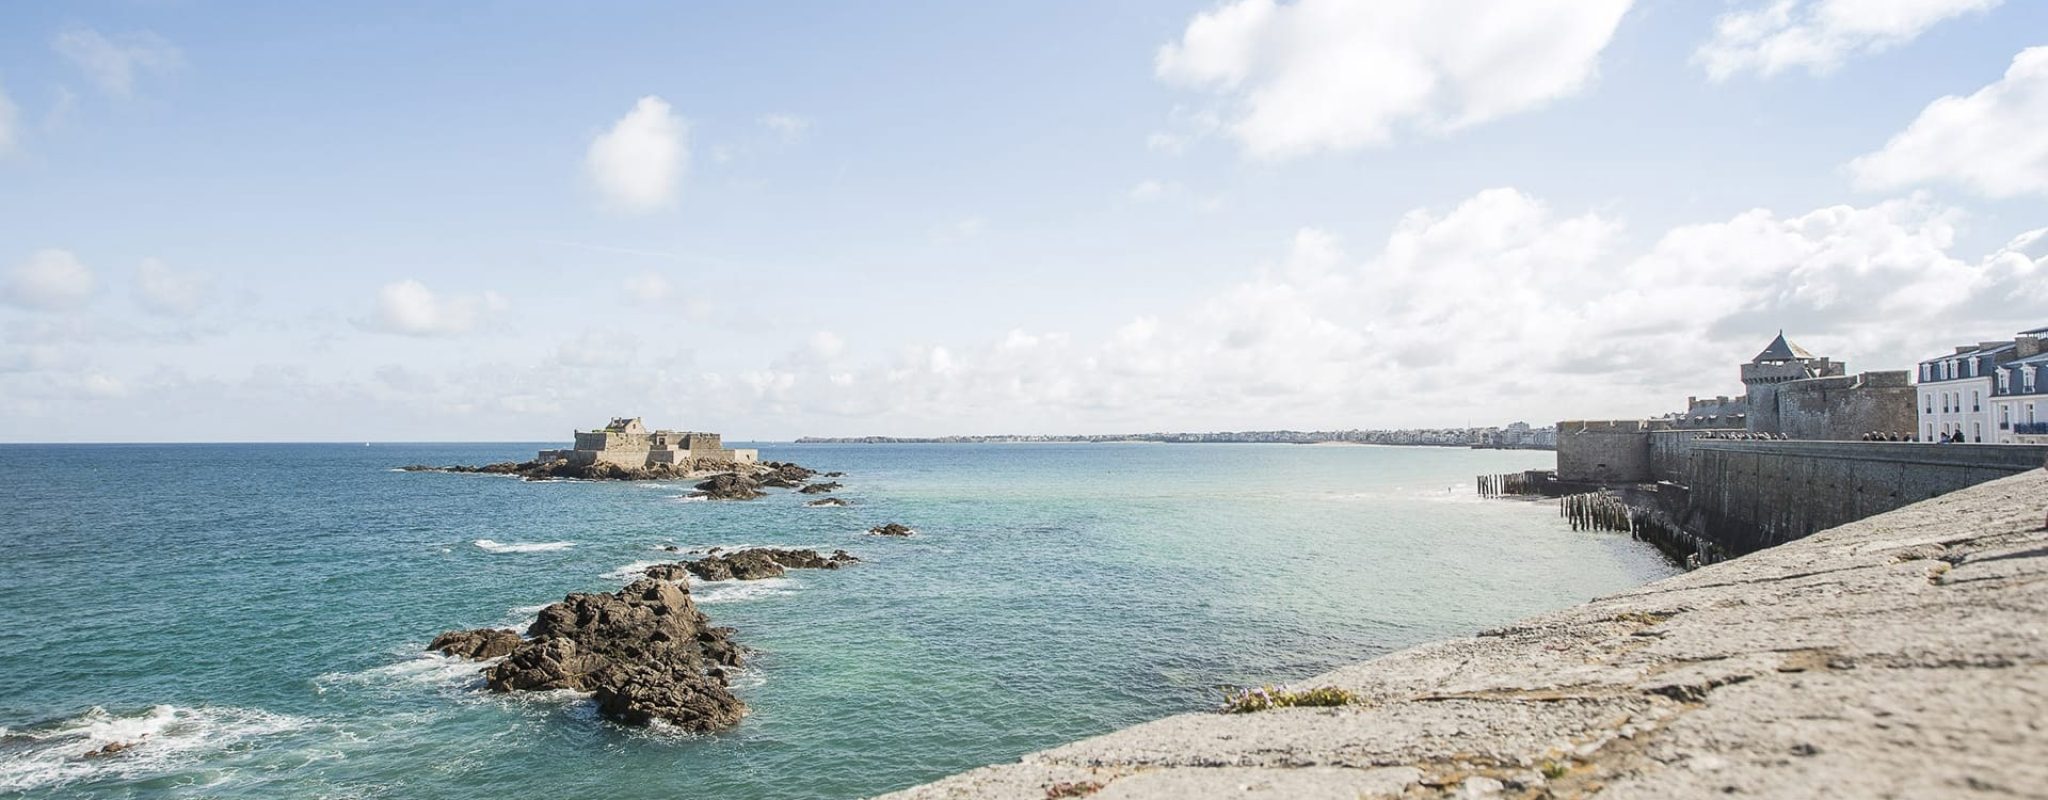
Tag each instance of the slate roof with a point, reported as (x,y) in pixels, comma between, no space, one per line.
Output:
(1781,350)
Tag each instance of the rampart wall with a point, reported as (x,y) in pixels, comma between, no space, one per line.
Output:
(1749,495)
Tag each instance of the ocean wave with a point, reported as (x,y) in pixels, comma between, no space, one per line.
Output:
(155,741)
(631,572)
(738,591)
(692,498)
(521,547)
(415,671)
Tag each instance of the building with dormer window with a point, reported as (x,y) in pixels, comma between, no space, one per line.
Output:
(1990,392)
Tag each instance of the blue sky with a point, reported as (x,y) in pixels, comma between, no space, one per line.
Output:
(230,221)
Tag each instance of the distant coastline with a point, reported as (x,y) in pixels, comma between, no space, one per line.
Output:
(1516,437)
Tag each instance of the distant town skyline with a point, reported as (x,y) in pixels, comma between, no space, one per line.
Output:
(246,222)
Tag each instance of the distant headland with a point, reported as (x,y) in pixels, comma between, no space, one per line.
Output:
(1515,436)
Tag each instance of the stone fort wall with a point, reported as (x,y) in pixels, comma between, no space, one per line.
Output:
(1844,408)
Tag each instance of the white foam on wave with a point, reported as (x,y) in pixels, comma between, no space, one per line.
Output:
(419,670)
(630,572)
(735,591)
(521,547)
(692,498)
(160,739)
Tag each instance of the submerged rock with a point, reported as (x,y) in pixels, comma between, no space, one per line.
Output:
(825,502)
(820,488)
(481,643)
(645,653)
(891,529)
(729,486)
(834,475)
(751,564)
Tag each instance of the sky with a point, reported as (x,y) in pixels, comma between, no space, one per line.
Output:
(504,221)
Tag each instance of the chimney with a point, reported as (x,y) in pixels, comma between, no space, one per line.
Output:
(2026,346)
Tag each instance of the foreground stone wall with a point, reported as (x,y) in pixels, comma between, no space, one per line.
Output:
(1900,656)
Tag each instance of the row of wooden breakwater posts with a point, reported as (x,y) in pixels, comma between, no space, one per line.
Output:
(1606,511)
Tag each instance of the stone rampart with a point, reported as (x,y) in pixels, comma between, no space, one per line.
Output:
(1608,451)
(1749,495)
(1844,408)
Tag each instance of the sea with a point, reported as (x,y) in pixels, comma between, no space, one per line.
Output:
(252,617)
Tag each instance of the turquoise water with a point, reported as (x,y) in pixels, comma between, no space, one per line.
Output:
(258,610)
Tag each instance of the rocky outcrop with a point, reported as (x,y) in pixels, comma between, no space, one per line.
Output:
(785,471)
(751,564)
(728,486)
(820,488)
(891,529)
(834,475)
(645,653)
(481,643)
(827,502)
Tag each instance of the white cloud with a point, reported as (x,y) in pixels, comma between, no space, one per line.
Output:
(409,308)
(1994,141)
(50,279)
(113,62)
(163,290)
(10,121)
(1317,75)
(1498,296)
(826,345)
(640,162)
(788,127)
(1820,35)
(649,288)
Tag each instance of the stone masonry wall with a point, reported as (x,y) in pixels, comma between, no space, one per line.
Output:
(1845,408)
(1749,495)
(1613,451)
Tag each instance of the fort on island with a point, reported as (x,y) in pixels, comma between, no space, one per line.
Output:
(626,442)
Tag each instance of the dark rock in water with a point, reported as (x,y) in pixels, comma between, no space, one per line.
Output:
(751,564)
(114,748)
(829,501)
(891,529)
(671,548)
(481,643)
(820,488)
(787,471)
(834,475)
(779,482)
(645,652)
(729,486)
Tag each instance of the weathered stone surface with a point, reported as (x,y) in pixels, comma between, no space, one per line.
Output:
(645,652)
(1899,656)
(891,529)
(785,471)
(820,488)
(481,643)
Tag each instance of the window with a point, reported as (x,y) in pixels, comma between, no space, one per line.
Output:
(1927,401)
(2005,380)
(1930,432)
(1977,431)
(1976,400)
(1926,373)
(2031,372)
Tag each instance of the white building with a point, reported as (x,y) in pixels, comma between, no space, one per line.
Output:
(1989,392)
